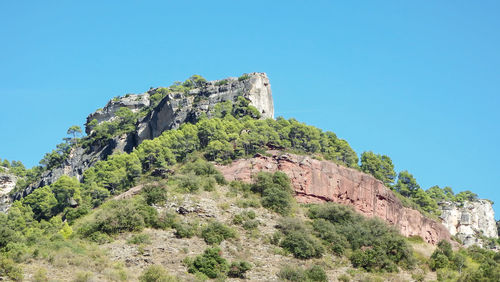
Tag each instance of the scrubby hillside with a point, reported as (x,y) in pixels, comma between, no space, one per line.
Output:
(162,211)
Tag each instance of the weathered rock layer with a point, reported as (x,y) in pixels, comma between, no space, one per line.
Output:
(324,181)
(469,221)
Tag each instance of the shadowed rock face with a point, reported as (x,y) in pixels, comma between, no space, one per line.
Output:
(317,181)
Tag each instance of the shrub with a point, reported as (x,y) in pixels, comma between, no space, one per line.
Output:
(302,245)
(154,194)
(216,232)
(326,231)
(277,200)
(185,230)
(292,273)
(137,239)
(120,216)
(250,224)
(40,275)
(344,278)
(209,263)
(83,277)
(316,273)
(221,82)
(10,269)
(204,168)
(238,269)
(243,77)
(156,273)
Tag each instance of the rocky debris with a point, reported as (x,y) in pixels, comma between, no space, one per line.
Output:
(469,221)
(7,184)
(316,181)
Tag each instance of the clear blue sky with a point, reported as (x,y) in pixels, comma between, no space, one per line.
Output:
(416,80)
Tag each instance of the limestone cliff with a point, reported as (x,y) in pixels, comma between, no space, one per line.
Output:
(469,221)
(324,181)
(173,110)
(7,183)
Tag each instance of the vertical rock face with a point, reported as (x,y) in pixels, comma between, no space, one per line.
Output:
(172,111)
(178,108)
(469,220)
(7,184)
(324,181)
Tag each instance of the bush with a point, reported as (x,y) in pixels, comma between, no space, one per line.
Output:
(204,168)
(302,245)
(40,275)
(156,273)
(277,200)
(10,269)
(238,269)
(316,273)
(185,230)
(376,246)
(327,231)
(216,232)
(344,278)
(209,263)
(154,194)
(292,273)
(137,239)
(120,216)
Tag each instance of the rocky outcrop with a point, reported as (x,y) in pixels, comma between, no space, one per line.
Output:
(316,181)
(7,184)
(469,221)
(172,111)
(178,108)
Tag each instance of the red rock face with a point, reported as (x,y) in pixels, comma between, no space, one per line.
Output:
(317,181)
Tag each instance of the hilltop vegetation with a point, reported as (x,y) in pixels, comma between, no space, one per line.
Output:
(67,225)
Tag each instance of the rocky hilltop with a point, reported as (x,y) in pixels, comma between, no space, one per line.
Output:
(324,181)
(469,221)
(170,112)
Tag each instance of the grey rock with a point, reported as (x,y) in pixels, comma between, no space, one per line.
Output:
(178,108)
(7,184)
(469,221)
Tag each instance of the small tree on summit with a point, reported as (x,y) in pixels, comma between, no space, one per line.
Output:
(75,131)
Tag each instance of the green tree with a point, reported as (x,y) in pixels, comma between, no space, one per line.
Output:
(380,167)
(466,196)
(407,185)
(42,201)
(75,131)
(67,192)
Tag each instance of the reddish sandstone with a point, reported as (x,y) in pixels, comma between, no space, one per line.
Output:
(316,181)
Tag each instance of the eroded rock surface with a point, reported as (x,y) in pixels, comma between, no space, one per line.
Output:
(178,108)
(7,184)
(324,181)
(469,220)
